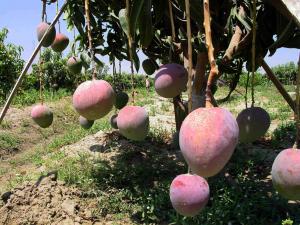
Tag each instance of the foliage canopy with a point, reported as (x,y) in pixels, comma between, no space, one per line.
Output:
(150,27)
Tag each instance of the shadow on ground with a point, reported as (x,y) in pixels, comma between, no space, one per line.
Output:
(136,183)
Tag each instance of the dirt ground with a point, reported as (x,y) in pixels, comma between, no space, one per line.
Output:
(48,201)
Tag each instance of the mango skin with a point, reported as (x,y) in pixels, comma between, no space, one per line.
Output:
(253,123)
(133,122)
(286,173)
(207,139)
(42,115)
(85,124)
(74,65)
(41,29)
(170,80)
(94,99)
(189,194)
(60,43)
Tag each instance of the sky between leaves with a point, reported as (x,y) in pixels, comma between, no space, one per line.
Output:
(22,17)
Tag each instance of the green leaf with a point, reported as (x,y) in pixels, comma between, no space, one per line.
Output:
(145,25)
(123,21)
(159,10)
(242,20)
(134,15)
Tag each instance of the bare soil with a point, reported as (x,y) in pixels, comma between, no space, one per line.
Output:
(48,201)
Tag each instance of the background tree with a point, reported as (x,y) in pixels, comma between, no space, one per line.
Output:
(286,73)
(11,63)
(55,73)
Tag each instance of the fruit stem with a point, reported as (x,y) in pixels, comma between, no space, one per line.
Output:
(190,53)
(74,39)
(40,58)
(246,94)
(189,170)
(214,71)
(44,11)
(114,72)
(172,21)
(41,78)
(130,43)
(177,103)
(89,31)
(253,51)
(57,9)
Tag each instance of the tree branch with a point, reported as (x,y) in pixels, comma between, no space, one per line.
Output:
(214,72)
(199,81)
(235,40)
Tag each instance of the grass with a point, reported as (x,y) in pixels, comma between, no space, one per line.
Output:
(266,97)
(36,157)
(284,135)
(6,124)
(45,155)
(8,140)
(30,97)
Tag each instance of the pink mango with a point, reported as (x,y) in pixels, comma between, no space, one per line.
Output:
(60,43)
(286,173)
(170,80)
(41,30)
(189,194)
(133,122)
(42,115)
(94,99)
(207,139)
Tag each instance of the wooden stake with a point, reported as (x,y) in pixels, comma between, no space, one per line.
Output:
(28,64)
(278,85)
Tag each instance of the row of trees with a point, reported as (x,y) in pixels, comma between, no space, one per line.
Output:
(56,75)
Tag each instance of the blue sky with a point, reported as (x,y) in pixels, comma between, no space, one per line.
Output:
(22,17)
